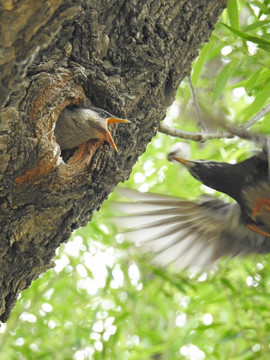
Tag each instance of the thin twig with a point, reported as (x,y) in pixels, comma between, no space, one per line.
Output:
(195,136)
(256,117)
(240,131)
(202,137)
(201,122)
(248,135)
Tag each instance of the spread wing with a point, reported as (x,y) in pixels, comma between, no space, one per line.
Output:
(186,233)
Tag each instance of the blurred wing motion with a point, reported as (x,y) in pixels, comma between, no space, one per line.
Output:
(186,233)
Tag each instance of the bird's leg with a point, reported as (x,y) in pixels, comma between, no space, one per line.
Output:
(259,205)
(257,230)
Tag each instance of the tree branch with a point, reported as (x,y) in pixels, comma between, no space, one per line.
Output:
(232,131)
(256,117)
(194,136)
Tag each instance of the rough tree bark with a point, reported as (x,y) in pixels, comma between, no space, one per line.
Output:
(126,56)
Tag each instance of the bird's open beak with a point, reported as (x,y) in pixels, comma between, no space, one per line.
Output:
(109,139)
(186,163)
(113,120)
(108,135)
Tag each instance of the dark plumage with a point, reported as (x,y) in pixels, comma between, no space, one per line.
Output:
(196,234)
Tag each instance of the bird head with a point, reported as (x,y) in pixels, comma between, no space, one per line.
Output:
(220,176)
(225,177)
(77,125)
(97,120)
(194,167)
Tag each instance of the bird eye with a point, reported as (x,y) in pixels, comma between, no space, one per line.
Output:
(103,114)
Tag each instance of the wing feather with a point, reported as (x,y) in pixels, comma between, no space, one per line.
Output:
(186,233)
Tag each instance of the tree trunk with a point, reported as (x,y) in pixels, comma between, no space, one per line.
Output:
(125,56)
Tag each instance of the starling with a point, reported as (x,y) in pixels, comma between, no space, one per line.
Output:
(77,125)
(196,234)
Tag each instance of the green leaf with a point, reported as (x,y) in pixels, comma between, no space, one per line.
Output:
(230,335)
(264,8)
(232,9)
(256,25)
(259,102)
(251,82)
(228,284)
(255,39)
(202,59)
(223,78)
(264,47)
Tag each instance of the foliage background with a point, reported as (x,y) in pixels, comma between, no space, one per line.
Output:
(105,301)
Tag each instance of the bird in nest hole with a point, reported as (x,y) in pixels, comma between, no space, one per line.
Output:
(190,234)
(77,125)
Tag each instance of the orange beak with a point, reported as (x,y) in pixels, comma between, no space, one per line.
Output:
(179,159)
(109,139)
(174,156)
(108,136)
(113,120)
(186,163)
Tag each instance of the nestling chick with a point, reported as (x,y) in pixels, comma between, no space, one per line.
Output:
(75,126)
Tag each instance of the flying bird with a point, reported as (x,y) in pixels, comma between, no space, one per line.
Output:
(77,125)
(191,234)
